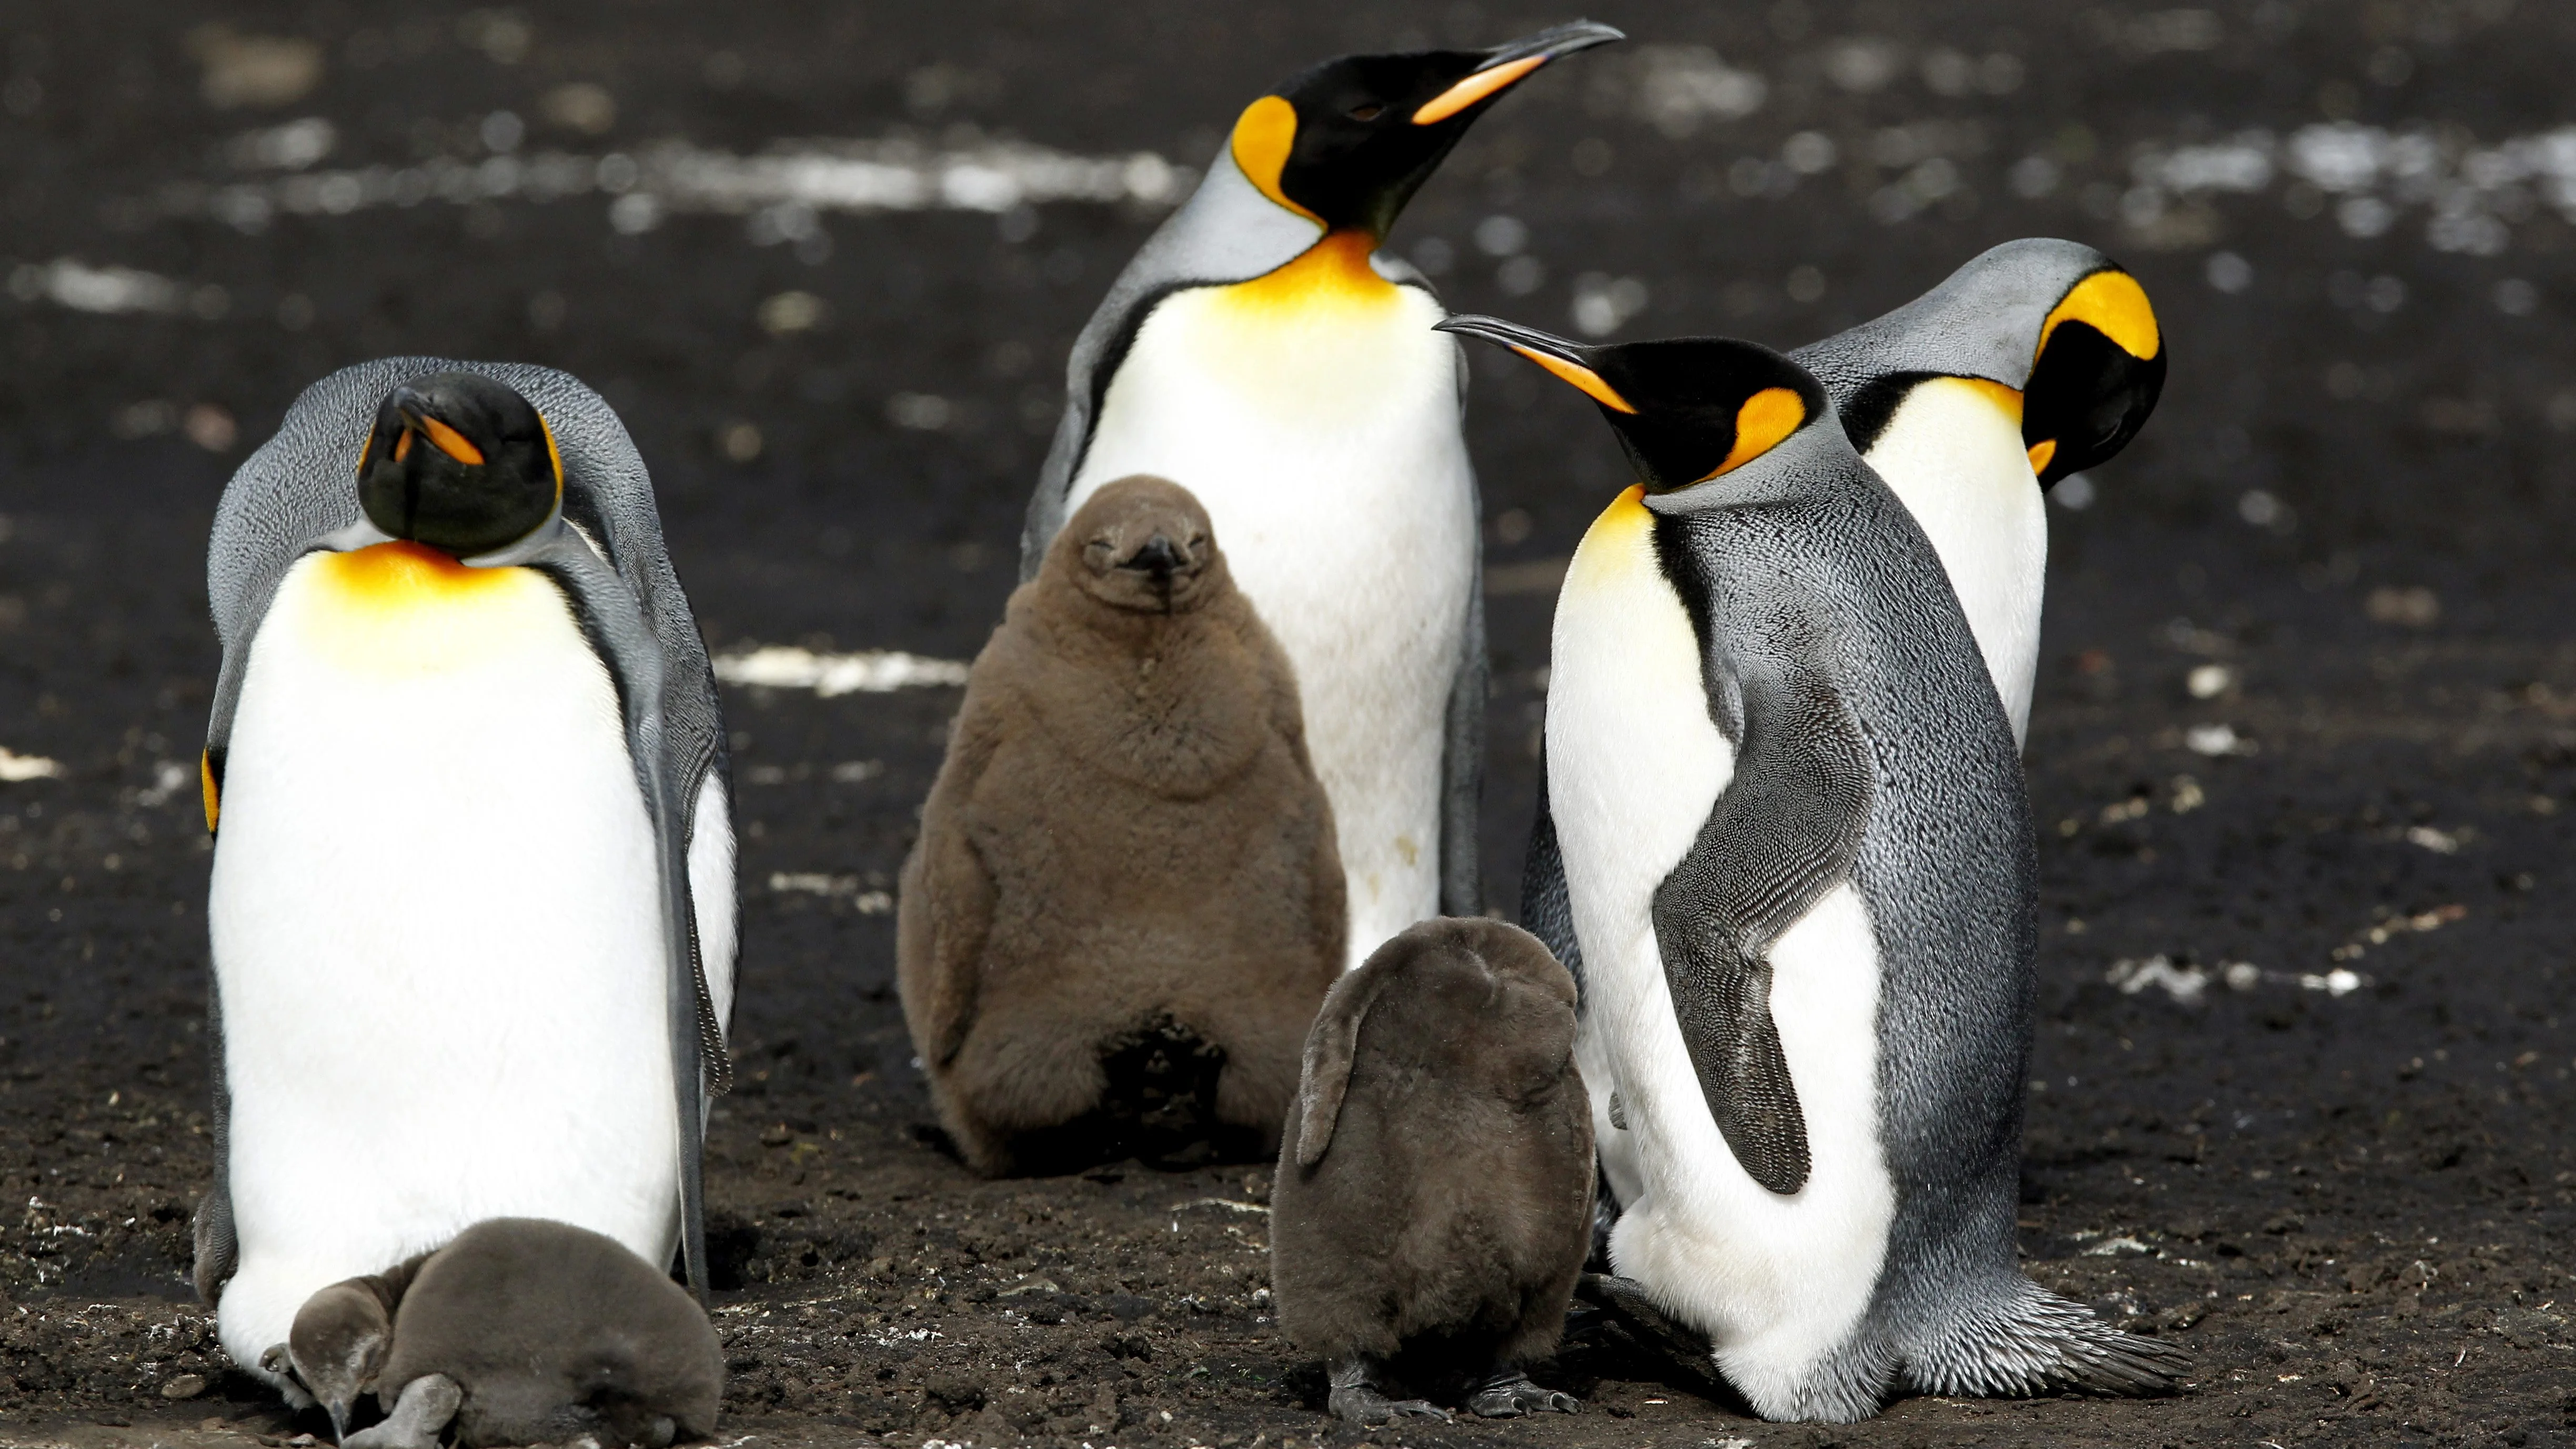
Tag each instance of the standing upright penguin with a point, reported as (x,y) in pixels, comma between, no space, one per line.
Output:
(2036,360)
(472,908)
(1797,858)
(1260,353)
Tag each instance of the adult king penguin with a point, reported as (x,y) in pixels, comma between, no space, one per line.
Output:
(2036,360)
(1797,857)
(1259,352)
(473,905)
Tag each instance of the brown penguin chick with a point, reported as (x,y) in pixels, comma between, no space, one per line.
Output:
(1126,838)
(521,1331)
(1434,1198)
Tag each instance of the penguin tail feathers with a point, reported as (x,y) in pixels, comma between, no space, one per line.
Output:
(2034,1342)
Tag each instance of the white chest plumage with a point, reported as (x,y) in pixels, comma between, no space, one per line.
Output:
(1953,452)
(1634,766)
(436,932)
(1315,413)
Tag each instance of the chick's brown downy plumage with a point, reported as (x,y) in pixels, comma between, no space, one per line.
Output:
(519,1331)
(1126,845)
(1434,1195)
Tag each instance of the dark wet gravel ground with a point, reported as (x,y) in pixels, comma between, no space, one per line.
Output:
(2350,1197)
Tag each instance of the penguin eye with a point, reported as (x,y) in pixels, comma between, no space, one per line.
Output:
(1365,111)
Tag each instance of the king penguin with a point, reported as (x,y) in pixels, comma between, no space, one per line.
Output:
(472,908)
(2037,360)
(1261,353)
(1797,860)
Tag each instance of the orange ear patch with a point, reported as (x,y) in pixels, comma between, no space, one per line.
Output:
(2040,453)
(1766,417)
(1579,375)
(1263,136)
(1475,88)
(554,455)
(2113,304)
(449,441)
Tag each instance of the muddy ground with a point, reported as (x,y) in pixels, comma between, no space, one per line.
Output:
(2349,1196)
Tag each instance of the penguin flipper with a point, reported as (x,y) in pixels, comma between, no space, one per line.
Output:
(1462,765)
(1783,833)
(1547,912)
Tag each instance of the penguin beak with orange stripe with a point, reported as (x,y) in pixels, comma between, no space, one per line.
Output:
(1686,409)
(1349,142)
(2096,376)
(460,463)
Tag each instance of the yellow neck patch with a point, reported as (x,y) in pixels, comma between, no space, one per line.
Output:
(2007,400)
(1766,417)
(1335,271)
(1263,136)
(2113,304)
(1475,88)
(1619,542)
(206,788)
(401,608)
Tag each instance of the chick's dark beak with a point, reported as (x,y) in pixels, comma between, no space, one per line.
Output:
(1158,557)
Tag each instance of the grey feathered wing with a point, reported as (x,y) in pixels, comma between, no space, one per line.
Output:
(1783,833)
(300,487)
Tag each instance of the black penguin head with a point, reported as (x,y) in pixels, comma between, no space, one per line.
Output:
(1144,545)
(460,463)
(1686,409)
(2095,376)
(1349,142)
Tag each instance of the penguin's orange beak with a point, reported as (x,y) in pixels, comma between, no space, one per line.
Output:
(1509,64)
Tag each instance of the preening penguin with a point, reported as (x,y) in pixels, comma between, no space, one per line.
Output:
(1126,841)
(1434,1197)
(1785,824)
(472,909)
(1259,353)
(2036,360)
(521,1331)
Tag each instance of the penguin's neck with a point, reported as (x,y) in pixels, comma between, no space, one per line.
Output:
(1953,453)
(402,608)
(1326,281)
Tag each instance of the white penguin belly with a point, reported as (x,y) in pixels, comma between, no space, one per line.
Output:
(436,928)
(1634,765)
(1953,452)
(1317,420)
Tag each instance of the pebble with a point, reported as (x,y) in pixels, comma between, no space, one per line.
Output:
(185,1386)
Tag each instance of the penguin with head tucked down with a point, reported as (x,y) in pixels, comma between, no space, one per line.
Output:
(1796,856)
(472,908)
(2035,361)
(520,1331)
(1260,352)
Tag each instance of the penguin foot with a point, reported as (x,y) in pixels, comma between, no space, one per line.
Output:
(1358,1400)
(1509,1394)
(1626,1300)
(427,1403)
